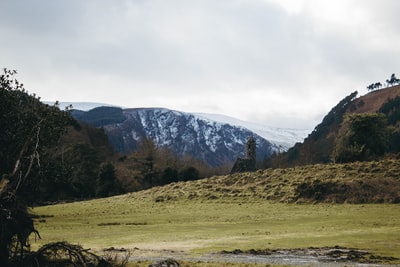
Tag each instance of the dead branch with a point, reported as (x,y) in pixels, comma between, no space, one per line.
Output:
(6,178)
(65,254)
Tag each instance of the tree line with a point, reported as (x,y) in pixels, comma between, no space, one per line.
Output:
(393,80)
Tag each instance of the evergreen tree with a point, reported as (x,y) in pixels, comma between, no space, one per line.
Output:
(107,182)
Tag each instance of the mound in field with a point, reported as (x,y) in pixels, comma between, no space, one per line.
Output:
(359,182)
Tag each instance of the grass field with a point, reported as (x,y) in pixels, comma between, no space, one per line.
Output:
(246,211)
(212,226)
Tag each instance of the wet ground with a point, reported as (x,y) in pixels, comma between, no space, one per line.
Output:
(327,257)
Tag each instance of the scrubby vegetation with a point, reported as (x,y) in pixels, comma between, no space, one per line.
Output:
(357,182)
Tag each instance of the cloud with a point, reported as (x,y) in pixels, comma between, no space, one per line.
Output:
(279,62)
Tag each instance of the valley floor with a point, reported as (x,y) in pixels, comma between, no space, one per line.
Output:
(192,229)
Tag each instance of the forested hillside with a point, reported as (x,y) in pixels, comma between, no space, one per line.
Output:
(357,128)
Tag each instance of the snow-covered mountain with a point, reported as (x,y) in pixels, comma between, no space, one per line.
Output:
(284,138)
(215,143)
(217,139)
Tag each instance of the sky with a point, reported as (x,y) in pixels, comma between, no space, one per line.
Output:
(281,63)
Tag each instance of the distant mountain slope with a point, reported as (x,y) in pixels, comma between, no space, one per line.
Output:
(217,139)
(282,137)
(213,142)
(100,116)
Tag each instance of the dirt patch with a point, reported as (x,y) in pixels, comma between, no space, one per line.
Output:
(325,254)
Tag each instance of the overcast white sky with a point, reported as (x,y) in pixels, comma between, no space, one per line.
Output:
(281,63)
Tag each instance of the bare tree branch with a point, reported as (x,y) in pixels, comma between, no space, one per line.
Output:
(17,167)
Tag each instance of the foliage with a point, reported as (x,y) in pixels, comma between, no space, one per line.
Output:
(150,166)
(107,182)
(188,174)
(28,128)
(374,86)
(70,154)
(38,164)
(393,80)
(392,110)
(30,135)
(365,136)
(83,151)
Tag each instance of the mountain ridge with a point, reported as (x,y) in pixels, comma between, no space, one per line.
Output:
(284,138)
(213,142)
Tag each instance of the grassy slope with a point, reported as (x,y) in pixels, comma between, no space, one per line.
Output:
(361,182)
(244,211)
(375,99)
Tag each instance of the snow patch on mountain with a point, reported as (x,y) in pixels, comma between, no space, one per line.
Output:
(282,137)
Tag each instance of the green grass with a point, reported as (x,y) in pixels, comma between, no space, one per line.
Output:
(242,211)
(211,226)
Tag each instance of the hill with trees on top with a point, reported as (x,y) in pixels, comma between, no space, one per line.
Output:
(375,115)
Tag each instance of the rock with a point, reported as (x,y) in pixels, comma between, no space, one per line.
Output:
(166,263)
